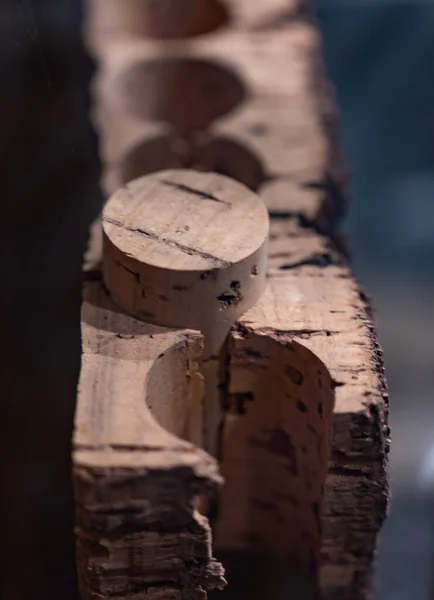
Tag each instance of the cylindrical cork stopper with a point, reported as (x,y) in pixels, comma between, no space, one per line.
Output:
(186,249)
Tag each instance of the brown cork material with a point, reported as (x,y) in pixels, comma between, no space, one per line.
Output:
(302,404)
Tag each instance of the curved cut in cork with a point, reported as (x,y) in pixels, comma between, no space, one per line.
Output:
(188,93)
(221,155)
(136,477)
(274,460)
(157,358)
(159,19)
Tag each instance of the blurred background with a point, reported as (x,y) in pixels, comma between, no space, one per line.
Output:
(380,55)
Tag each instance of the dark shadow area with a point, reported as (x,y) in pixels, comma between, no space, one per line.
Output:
(49,197)
(161,19)
(279,578)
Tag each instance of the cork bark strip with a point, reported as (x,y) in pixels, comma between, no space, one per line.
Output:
(283,142)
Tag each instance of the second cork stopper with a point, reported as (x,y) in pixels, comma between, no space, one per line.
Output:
(186,249)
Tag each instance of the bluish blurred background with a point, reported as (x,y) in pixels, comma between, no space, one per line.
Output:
(380,57)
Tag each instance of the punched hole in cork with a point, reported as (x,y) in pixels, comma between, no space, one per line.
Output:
(187,93)
(174,388)
(221,155)
(275,452)
(161,19)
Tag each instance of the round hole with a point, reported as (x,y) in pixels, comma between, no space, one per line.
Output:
(187,93)
(148,157)
(160,19)
(227,157)
(219,155)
